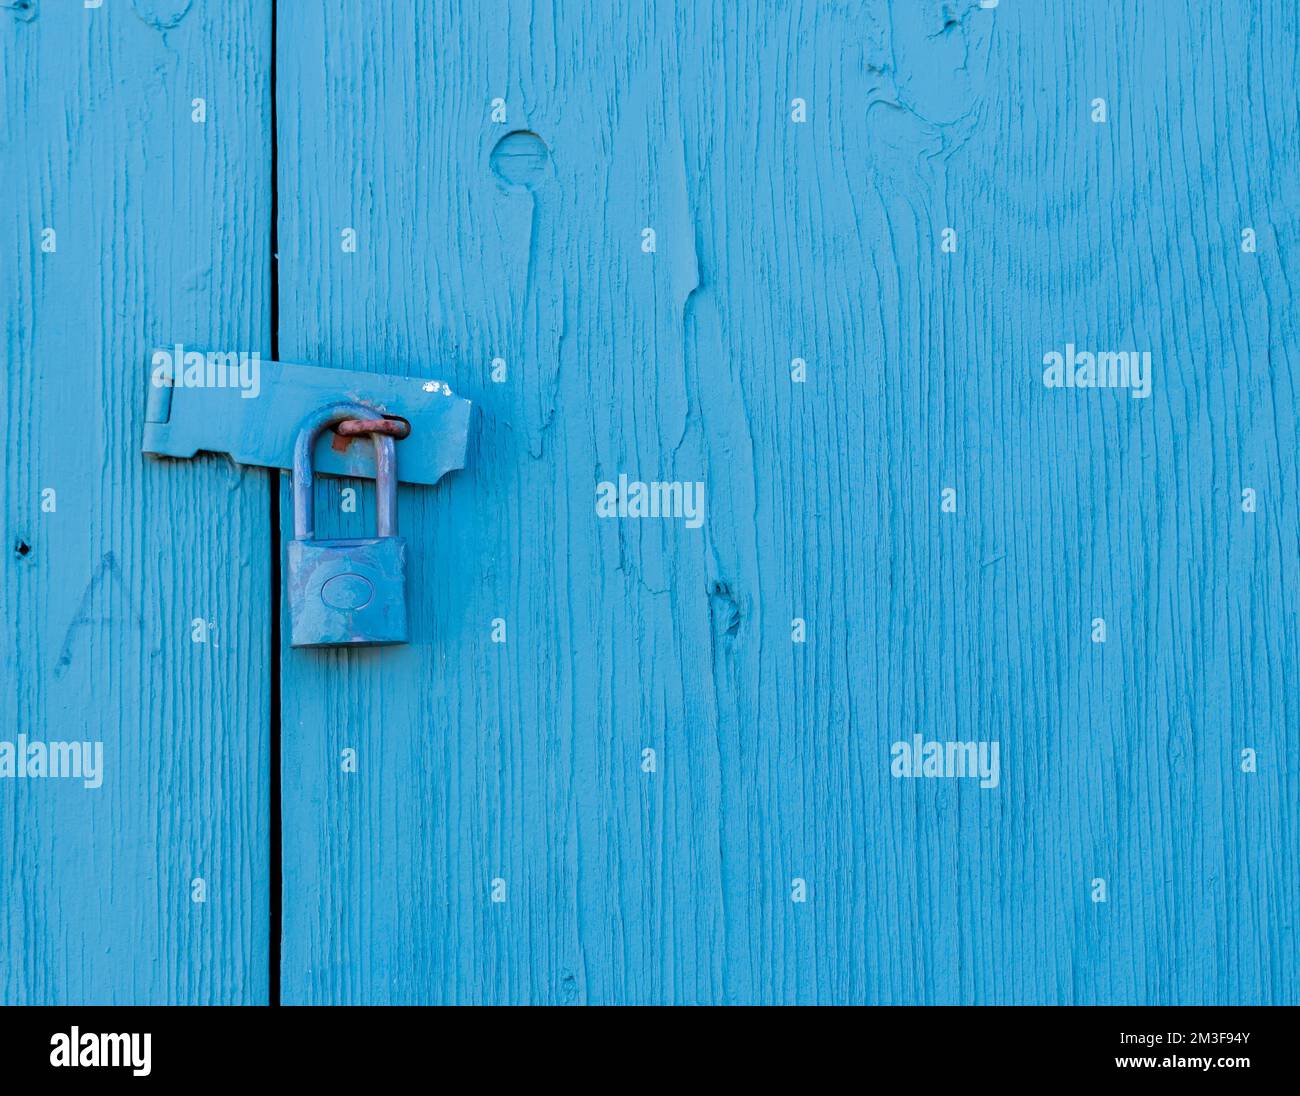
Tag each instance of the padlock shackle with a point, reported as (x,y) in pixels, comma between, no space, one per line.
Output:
(304,499)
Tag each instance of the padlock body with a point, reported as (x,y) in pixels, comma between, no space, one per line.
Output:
(347,593)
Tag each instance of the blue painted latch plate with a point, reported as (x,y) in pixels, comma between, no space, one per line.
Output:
(252,409)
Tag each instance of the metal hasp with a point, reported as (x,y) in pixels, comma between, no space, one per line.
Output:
(346,593)
(251,409)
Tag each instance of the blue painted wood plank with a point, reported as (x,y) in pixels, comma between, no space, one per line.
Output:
(158,231)
(500,839)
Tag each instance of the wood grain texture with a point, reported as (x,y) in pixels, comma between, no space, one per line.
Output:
(521,761)
(163,230)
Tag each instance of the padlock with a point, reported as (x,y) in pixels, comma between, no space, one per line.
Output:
(346,593)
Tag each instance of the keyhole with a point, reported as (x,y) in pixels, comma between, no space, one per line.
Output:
(520,157)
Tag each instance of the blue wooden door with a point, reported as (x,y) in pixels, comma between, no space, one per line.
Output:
(874,579)
(134,744)
(815,257)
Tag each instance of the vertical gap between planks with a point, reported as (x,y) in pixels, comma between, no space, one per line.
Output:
(273,474)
